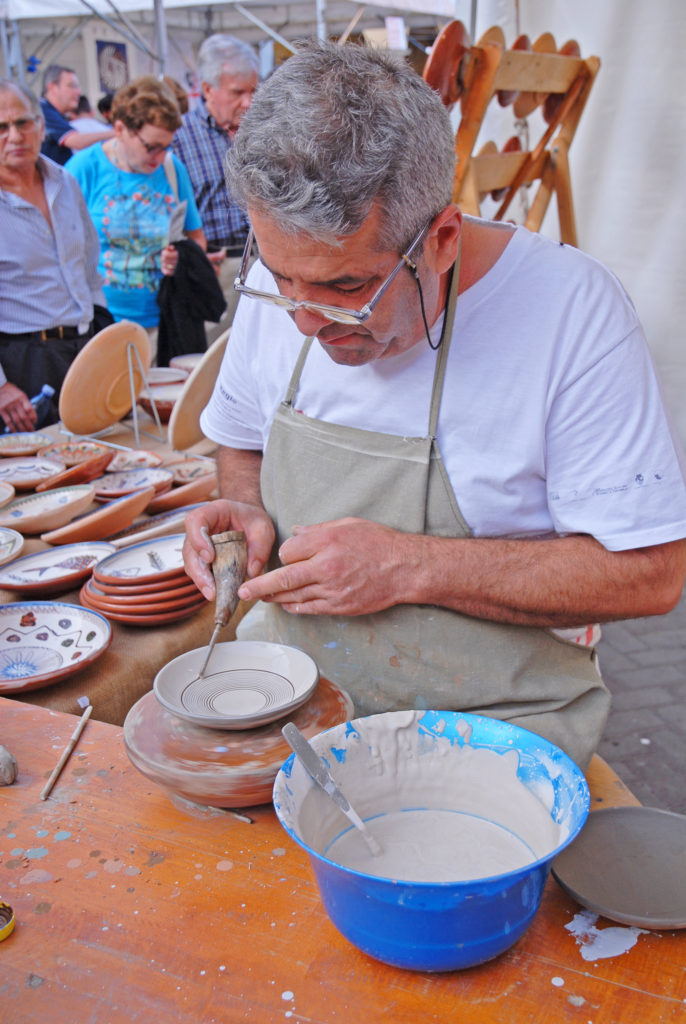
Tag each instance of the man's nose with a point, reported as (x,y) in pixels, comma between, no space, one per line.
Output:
(308,321)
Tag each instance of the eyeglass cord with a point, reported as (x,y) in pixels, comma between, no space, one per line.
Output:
(412,267)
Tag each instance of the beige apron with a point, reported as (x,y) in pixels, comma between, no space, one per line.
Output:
(414,656)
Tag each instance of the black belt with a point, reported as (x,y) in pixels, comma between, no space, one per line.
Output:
(60,332)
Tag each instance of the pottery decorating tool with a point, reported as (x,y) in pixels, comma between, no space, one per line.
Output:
(320,774)
(229,566)
(67,752)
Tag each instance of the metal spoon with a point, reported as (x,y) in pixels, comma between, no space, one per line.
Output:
(228,569)
(321,775)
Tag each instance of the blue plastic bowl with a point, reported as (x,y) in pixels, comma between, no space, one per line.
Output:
(429,926)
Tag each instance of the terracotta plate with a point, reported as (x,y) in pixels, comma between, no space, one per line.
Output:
(26,473)
(134,460)
(146,604)
(144,618)
(147,562)
(246,683)
(184,423)
(180,587)
(190,469)
(72,453)
(180,580)
(153,526)
(55,570)
(46,511)
(193,492)
(23,443)
(81,473)
(6,492)
(222,769)
(44,642)
(116,485)
(97,389)
(11,544)
(95,525)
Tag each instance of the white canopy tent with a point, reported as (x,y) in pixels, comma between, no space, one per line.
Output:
(628,160)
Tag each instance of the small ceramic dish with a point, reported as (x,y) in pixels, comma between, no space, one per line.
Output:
(116,485)
(193,492)
(153,526)
(141,619)
(165,375)
(71,453)
(141,604)
(246,683)
(47,511)
(44,642)
(186,362)
(7,492)
(81,473)
(23,443)
(11,543)
(115,515)
(26,473)
(185,471)
(149,561)
(55,570)
(164,396)
(135,459)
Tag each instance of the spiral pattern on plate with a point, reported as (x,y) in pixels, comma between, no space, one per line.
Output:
(242,691)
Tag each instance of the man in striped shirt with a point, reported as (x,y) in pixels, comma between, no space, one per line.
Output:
(228,73)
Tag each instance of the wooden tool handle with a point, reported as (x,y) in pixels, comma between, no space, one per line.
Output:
(229,567)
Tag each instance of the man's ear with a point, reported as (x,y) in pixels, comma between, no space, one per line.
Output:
(440,247)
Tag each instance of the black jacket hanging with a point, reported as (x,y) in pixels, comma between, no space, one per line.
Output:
(187,299)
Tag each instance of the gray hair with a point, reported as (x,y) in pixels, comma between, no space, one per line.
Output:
(23,92)
(337,130)
(53,73)
(223,54)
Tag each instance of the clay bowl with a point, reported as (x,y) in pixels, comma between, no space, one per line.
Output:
(151,561)
(54,571)
(23,443)
(11,544)
(7,492)
(499,801)
(116,515)
(25,474)
(116,485)
(153,526)
(71,453)
(81,473)
(164,396)
(221,768)
(194,492)
(47,511)
(135,459)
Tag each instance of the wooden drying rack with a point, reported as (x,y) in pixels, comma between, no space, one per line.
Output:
(528,77)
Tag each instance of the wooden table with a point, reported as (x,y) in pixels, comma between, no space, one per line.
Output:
(131,911)
(120,676)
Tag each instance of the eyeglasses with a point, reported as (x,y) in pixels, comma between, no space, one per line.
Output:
(335,313)
(152,149)
(22,124)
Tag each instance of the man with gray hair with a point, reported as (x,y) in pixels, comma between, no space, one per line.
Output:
(442,436)
(227,69)
(60,100)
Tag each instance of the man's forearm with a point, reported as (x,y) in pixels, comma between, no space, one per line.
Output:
(238,470)
(562,582)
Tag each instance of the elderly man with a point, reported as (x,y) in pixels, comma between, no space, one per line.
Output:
(61,94)
(466,464)
(49,251)
(227,69)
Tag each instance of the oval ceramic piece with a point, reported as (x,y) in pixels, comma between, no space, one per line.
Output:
(95,525)
(44,642)
(230,769)
(184,423)
(81,473)
(135,459)
(11,544)
(246,683)
(195,491)
(71,453)
(147,561)
(25,473)
(6,493)
(23,443)
(54,570)
(153,526)
(115,485)
(98,389)
(191,469)
(46,511)
(165,375)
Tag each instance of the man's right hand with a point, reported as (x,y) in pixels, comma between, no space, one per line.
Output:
(217,517)
(15,408)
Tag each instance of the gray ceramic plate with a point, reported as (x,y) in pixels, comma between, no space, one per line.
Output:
(629,864)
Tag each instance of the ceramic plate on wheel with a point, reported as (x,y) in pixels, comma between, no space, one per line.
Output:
(23,443)
(54,570)
(11,544)
(48,510)
(629,864)
(246,683)
(98,389)
(44,642)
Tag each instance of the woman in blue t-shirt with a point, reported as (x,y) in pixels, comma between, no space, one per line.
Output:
(132,184)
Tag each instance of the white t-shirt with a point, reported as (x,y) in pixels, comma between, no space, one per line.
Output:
(551,420)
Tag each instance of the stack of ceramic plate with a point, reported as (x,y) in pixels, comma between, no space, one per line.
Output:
(144,584)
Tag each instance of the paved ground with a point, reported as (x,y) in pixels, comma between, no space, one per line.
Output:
(643,662)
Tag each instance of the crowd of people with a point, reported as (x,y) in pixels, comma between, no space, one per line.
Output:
(96,213)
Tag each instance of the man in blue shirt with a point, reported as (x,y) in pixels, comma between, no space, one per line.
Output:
(228,73)
(61,94)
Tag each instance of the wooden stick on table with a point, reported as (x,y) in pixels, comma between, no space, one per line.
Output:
(66,752)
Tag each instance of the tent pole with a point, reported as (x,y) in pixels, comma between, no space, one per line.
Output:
(120,30)
(265,28)
(161,36)
(321,19)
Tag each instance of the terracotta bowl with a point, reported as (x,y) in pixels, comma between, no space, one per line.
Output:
(222,768)
(48,510)
(165,396)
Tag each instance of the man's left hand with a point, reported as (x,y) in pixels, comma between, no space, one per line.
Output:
(345,567)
